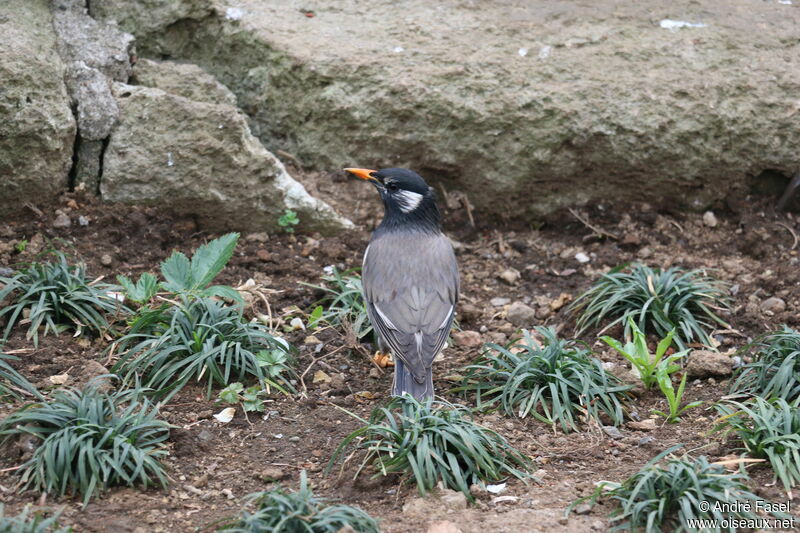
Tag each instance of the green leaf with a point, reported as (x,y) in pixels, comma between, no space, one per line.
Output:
(144,289)
(315,317)
(176,270)
(223,291)
(209,259)
(230,394)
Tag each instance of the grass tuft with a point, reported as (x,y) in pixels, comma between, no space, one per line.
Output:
(673,496)
(55,296)
(278,511)
(556,381)
(769,429)
(434,441)
(343,302)
(12,383)
(659,301)
(89,441)
(28,522)
(203,340)
(775,369)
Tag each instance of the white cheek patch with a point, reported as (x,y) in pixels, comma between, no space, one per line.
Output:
(408,200)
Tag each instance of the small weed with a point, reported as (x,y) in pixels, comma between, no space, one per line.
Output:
(250,398)
(89,441)
(56,296)
(434,441)
(21,246)
(278,511)
(775,369)
(288,220)
(556,381)
(769,429)
(638,354)
(658,300)
(188,279)
(674,398)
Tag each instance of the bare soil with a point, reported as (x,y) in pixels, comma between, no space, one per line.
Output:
(213,466)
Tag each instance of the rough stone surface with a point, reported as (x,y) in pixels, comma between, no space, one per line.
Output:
(98,45)
(689,116)
(467,338)
(520,314)
(88,155)
(705,363)
(182,79)
(773,305)
(37,129)
(202,159)
(91,94)
(94,54)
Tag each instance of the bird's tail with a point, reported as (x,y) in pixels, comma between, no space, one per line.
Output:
(404,382)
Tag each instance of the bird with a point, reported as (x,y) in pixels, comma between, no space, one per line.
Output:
(409,278)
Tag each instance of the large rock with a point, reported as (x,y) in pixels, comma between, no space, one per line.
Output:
(95,53)
(37,129)
(183,79)
(526,107)
(200,158)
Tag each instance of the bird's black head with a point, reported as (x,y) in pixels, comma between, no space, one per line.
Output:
(408,202)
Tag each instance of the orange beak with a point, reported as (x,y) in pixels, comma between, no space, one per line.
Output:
(363,173)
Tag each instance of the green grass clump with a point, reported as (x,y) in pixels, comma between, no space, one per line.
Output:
(58,297)
(434,441)
(12,383)
(343,303)
(203,340)
(659,301)
(669,498)
(769,429)
(775,369)
(278,511)
(89,441)
(28,522)
(556,381)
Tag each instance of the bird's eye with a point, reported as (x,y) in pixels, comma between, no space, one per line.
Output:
(392,186)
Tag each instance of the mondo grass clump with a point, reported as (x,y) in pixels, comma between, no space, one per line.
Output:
(673,496)
(30,522)
(659,301)
(56,296)
(90,440)
(12,383)
(432,442)
(556,381)
(769,429)
(343,303)
(775,369)
(278,511)
(204,339)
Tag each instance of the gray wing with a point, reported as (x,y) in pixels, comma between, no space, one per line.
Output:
(410,286)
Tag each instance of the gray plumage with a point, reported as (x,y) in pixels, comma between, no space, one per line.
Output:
(410,278)
(410,285)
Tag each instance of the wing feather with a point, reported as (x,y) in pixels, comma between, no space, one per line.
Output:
(411,288)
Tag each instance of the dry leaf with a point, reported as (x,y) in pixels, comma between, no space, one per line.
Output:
(59,379)
(382,359)
(226,415)
(321,377)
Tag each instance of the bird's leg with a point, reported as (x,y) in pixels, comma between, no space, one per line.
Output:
(383,359)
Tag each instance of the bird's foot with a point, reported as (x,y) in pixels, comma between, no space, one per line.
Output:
(382,359)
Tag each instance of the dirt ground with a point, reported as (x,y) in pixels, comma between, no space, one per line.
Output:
(213,466)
